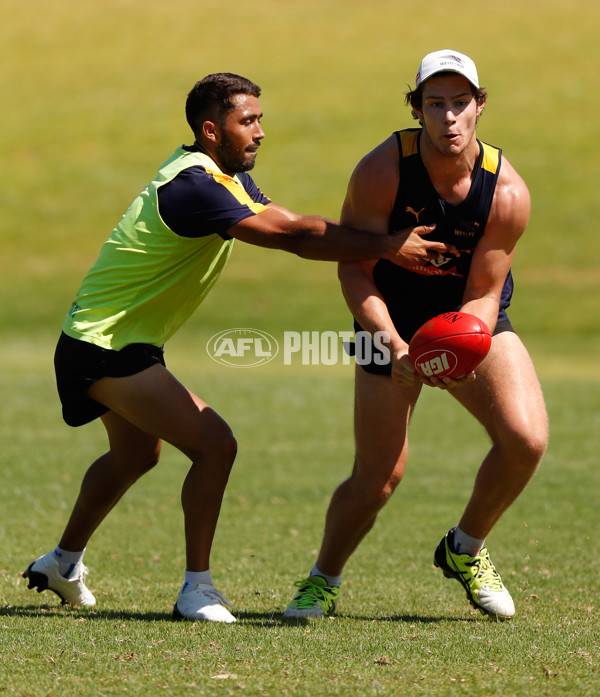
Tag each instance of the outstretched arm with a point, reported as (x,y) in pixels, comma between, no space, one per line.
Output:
(315,237)
(311,237)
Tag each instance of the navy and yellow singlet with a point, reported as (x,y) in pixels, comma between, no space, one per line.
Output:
(415,295)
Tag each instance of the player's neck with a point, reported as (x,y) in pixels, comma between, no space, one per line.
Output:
(199,147)
(450,173)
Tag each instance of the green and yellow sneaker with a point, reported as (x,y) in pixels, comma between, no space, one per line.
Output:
(479,578)
(314,598)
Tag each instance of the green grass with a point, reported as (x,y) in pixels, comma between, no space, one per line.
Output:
(400,626)
(93,101)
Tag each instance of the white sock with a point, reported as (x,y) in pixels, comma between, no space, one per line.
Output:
(331,580)
(194,577)
(465,544)
(67,561)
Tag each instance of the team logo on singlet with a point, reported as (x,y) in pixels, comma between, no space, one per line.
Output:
(448,264)
(410,209)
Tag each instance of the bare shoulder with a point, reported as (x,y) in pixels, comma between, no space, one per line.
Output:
(512,202)
(372,188)
(377,166)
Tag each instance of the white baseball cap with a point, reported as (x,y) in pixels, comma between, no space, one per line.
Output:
(447,60)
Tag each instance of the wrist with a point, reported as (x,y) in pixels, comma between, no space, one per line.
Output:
(388,248)
(397,347)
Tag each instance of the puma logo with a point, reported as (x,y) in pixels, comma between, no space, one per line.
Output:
(410,209)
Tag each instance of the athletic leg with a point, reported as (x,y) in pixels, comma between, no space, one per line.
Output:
(507,399)
(132,453)
(154,402)
(381,416)
(157,404)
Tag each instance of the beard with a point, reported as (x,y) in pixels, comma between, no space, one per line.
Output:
(232,159)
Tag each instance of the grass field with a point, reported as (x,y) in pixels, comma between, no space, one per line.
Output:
(93,102)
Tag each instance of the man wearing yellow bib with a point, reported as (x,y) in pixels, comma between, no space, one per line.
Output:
(156,267)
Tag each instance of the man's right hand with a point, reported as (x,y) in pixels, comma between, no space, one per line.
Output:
(414,248)
(403,372)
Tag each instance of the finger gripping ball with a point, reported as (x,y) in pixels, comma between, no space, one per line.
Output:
(449,345)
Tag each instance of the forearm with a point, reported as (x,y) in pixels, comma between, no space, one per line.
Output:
(371,312)
(485,307)
(366,303)
(313,237)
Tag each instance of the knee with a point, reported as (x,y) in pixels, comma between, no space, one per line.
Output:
(539,443)
(148,460)
(220,452)
(377,491)
(528,447)
(129,466)
(536,440)
(228,449)
(377,498)
(535,449)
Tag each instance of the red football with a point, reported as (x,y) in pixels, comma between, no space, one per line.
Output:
(449,345)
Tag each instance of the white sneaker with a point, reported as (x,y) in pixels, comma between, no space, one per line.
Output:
(202,602)
(43,574)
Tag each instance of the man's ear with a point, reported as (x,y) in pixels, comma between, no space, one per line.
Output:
(481,107)
(210,131)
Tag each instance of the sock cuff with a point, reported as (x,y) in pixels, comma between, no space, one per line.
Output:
(331,580)
(67,557)
(466,544)
(194,577)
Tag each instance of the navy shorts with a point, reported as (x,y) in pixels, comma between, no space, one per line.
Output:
(78,364)
(378,365)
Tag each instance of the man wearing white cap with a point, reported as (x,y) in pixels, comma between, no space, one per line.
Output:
(439,175)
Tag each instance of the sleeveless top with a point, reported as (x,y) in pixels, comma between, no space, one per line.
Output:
(415,295)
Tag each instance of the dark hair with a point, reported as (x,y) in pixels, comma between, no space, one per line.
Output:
(414,98)
(211,99)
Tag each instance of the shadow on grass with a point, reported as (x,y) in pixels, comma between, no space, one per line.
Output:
(34,611)
(405,619)
(262,619)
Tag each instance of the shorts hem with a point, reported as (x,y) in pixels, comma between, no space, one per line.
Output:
(78,364)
